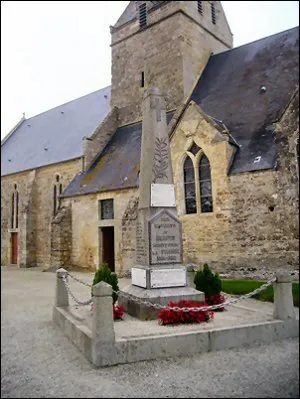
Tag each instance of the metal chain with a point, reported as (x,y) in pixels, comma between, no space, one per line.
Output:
(199,309)
(176,308)
(83,303)
(79,281)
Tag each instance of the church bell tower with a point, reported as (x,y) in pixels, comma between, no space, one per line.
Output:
(165,44)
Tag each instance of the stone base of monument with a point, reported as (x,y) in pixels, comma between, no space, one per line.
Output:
(133,305)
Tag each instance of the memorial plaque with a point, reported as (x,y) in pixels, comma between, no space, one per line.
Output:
(163,195)
(165,239)
(138,277)
(161,278)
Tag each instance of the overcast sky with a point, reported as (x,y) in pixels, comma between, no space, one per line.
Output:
(55,51)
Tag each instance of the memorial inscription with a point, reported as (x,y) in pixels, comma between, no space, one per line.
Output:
(165,239)
(140,244)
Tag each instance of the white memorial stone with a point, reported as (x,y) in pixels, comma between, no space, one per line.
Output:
(162,278)
(138,277)
(162,195)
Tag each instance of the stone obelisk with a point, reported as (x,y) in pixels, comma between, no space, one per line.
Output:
(158,275)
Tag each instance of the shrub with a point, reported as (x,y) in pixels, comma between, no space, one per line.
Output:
(210,284)
(105,274)
(170,316)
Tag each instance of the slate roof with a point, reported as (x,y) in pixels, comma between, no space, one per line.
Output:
(59,130)
(116,167)
(230,90)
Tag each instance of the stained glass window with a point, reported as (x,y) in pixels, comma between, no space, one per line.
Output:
(205,185)
(194,149)
(189,186)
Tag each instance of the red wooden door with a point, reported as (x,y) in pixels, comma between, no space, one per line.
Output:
(14,248)
(108,247)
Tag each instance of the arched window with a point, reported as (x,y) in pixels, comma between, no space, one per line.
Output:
(57,190)
(205,185)
(189,186)
(15,208)
(197,181)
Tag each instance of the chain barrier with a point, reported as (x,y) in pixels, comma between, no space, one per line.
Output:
(80,281)
(175,308)
(203,308)
(83,303)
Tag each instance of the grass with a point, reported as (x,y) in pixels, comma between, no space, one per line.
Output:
(240,287)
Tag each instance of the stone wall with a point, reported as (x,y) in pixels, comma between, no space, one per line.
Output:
(94,144)
(35,211)
(86,225)
(26,220)
(205,235)
(172,52)
(61,238)
(255,224)
(128,243)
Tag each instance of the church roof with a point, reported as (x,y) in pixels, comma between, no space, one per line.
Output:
(248,88)
(116,167)
(55,135)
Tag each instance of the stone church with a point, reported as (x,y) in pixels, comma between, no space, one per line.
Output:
(70,175)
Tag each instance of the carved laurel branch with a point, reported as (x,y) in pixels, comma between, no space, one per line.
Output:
(160,158)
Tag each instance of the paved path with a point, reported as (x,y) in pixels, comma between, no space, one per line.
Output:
(38,361)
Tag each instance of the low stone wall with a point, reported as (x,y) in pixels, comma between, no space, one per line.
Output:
(101,347)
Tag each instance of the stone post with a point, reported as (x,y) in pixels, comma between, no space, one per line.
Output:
(283,297)
(62,296)
(190,275)
(103,333)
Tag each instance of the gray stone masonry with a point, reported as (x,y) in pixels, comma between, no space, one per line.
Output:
(103,333)
(158,272)
(283,297)
(105,342)
(61,297)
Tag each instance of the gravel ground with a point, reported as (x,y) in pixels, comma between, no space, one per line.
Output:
(38,361)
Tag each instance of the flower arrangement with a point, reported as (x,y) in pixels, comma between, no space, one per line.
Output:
(118,312)
(170,316)
(216,299)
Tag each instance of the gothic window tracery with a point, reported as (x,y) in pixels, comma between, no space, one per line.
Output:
(197,181)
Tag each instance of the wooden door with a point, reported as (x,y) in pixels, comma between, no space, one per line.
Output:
(108,247)
(14,248)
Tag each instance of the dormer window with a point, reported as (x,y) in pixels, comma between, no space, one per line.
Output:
(143,15)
